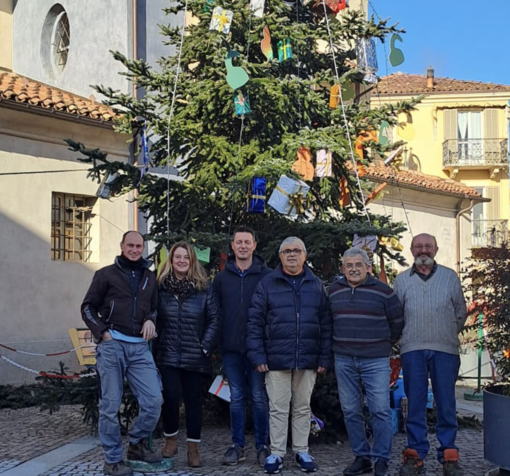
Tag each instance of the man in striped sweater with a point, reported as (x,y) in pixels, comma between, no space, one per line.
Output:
(367,321)
(434,314)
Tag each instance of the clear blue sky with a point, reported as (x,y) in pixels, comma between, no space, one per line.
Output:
(461,39)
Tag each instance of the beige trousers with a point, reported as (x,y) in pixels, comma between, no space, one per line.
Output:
(284,386)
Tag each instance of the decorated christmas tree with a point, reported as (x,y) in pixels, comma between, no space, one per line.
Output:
(264,111)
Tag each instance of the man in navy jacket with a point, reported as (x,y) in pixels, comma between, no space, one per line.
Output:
(234,287)
(289,339)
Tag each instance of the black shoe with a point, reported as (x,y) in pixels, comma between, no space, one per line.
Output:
(234,455)
(361,465)
(380,468)
(140,452)
(117,469)
(262,453)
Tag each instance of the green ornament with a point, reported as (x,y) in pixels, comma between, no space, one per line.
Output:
(396,55)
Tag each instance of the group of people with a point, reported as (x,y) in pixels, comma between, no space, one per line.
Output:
(276,329)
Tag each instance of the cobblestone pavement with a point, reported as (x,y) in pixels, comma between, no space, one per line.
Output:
(28,433)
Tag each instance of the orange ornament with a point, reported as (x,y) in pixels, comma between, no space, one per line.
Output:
(345,196)
(334,96)
(303,164)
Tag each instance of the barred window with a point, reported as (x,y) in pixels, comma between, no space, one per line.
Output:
(70,227)
(62,40)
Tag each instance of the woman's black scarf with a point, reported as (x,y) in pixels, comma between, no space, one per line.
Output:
(180,288)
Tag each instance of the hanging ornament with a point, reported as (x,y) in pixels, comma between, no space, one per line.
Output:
(242,103)
(223,261)
(366,243)
(162,257)
(257,7)
(359,145)
(332,6)
(221,20)
(203,255)
(289,196)
(334,96)
(375,194)
(265,44)
(324,163)
(367,59)
(396,56)
(345,195)
(303,164)
(392,243)
(207,5)
(107,185)
(256,195)
(284,50)
(382,272)
(384,133)
(237,77)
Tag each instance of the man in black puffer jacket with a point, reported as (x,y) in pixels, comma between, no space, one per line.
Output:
(234,287)
(289,337)
(120,310)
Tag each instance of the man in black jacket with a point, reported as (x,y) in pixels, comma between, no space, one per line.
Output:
(289,337)
(120,310)
(234,287)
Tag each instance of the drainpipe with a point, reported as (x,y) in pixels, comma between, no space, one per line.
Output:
(134,92)
(457,229)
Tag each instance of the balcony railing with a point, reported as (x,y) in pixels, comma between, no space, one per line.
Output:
(475,152)
(489,232)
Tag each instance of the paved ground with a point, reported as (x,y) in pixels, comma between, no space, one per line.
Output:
(28,434)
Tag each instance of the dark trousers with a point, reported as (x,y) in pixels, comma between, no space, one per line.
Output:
(177,382)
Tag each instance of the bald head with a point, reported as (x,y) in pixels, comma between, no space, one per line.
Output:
(132,245)
(426,236)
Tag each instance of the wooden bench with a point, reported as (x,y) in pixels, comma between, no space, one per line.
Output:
(86,355)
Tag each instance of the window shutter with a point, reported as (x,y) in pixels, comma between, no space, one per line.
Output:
(490,123)
(450,124)
(493,212)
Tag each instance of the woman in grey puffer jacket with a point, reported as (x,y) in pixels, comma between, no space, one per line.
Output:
(188,324)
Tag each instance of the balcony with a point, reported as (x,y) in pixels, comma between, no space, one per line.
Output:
(475,154)
(489,233)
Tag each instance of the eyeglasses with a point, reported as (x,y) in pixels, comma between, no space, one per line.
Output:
(427,247)
(291,252)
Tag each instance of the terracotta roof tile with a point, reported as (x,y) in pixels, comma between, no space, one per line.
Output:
(14,87)
(383,173)
(399,83)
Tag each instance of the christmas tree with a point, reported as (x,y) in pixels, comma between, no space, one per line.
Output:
(189,114)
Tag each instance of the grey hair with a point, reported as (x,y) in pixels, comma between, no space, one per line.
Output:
(351,252)
(290,240)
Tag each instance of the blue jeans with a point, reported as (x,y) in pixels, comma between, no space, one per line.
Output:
(240,376)
(117,360)
(443,369)
(374,374)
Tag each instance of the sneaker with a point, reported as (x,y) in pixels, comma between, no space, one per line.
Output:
(140,452)
(262,454)
(360,465)
(380,468)
(117,469)
(273,464)
(451,465)
(234,455)
(306,462)
(412,465)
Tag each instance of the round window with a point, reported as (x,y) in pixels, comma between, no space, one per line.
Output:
(55,41)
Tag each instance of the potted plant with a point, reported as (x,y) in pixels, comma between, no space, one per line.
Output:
(489,282)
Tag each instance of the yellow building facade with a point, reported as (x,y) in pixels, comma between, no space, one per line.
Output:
(459,132)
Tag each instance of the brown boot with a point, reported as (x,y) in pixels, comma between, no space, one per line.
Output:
(193,455)
(170,448)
